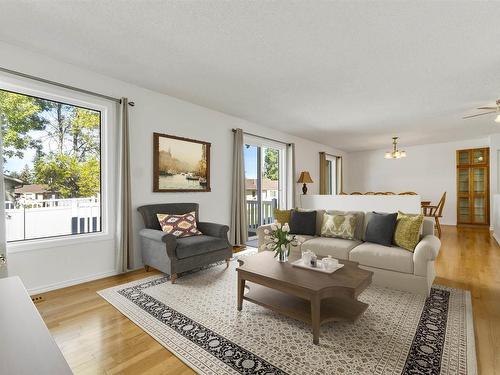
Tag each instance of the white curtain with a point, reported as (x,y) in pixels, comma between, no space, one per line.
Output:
(291,198)
(124,206)
(239,227)
(3,240)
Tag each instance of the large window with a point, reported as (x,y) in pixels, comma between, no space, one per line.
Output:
(265,181)
(330,174)
(52,167)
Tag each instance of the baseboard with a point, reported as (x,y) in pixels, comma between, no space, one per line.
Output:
(64,284)
(496,238)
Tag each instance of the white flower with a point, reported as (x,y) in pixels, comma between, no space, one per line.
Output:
(286,228)
(270,246)
(283,247)
(278,225)
(274,227)
(267,237)
(289,238)
(276,240)
(266,231)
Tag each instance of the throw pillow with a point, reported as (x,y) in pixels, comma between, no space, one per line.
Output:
(303,223)
(179,225)
(380,228)
(340,226)
(407,233)
(282,216)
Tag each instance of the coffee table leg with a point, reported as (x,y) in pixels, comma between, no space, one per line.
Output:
(315,318)
(241,290)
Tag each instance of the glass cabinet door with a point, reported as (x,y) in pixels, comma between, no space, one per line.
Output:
(463,181)
(463,210)
(463,157)
(479,209)
(479,179)
(479,156)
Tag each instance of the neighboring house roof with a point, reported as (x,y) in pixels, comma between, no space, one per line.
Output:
(33,188)
(267,184)
(9,178)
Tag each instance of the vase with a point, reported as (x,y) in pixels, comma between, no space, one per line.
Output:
(282,256)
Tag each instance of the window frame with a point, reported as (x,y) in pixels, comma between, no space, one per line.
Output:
(108,112)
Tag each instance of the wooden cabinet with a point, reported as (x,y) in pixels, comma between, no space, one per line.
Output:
(473,190)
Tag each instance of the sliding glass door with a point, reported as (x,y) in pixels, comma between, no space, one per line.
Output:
(265,182)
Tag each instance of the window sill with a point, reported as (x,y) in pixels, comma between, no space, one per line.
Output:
(47,243)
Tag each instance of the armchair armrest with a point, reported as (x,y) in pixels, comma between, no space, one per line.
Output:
(213,229)
(157,235)
(426,250)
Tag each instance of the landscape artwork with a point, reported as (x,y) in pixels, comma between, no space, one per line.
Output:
(180,164)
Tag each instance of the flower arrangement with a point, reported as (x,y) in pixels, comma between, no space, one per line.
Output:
(279,240)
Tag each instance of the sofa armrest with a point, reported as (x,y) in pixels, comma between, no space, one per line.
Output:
(426,251)
(427,226)
(213,229)
(261,235)
(157,235)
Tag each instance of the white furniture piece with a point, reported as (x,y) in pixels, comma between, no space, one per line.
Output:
(26,346)
(392,266)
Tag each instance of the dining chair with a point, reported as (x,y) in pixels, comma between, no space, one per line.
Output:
(436,212)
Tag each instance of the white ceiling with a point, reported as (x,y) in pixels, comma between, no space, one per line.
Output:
(348,74)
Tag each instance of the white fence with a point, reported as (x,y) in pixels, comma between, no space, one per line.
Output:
(52,217)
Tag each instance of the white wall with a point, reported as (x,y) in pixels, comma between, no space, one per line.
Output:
(153,112)
(428,170)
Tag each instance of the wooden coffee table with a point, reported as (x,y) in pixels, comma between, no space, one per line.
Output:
(310,296)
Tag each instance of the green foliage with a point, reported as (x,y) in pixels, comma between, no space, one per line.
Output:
(271,164)
(68,176)
(20,115)
(65,138)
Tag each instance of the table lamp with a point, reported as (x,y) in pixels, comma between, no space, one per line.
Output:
(305,178)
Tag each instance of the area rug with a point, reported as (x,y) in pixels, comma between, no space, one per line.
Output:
(400,332)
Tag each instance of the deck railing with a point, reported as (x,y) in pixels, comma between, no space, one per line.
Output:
(253,214)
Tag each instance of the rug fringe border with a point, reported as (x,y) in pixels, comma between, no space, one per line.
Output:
(471,342)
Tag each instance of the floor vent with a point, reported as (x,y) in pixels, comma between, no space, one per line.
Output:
(37,299)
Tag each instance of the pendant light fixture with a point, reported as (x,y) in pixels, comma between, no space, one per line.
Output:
(395,153)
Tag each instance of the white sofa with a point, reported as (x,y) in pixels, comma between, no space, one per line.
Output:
(393,266)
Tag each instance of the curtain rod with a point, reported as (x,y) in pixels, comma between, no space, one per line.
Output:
(43,80)
(269,139)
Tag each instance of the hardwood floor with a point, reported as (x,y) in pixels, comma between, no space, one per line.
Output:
(97,339)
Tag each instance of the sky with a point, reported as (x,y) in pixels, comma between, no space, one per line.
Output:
(250,155)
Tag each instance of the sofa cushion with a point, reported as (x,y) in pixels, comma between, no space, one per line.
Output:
(336,247)
(339,226)
(359,232)
(179,225)
(380,228)
(407,232)
(385,257)
(282,216)
(302,222)
(319,219)
(196,245)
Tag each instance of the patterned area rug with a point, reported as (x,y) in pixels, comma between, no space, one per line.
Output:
(400,333)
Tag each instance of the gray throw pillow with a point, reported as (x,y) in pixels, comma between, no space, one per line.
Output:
(380,228)
(303,223)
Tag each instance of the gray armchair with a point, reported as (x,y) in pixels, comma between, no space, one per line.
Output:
(173,255)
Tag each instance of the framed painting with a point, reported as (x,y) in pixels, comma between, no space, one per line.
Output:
(180,164)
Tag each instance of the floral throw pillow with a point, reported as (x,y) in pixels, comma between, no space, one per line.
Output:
(179,225)
(341,226)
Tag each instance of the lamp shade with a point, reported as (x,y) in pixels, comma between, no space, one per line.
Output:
(305,178)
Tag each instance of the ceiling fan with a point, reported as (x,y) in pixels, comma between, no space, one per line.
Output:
(490,110)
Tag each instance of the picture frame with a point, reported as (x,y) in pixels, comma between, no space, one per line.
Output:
(180,164)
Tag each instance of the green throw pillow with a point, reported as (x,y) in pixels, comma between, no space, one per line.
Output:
(282,216)
(407,233)
(341,226)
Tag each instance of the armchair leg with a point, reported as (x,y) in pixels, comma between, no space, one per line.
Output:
(438,226)
(146,267)
(173,278)
(227,262)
